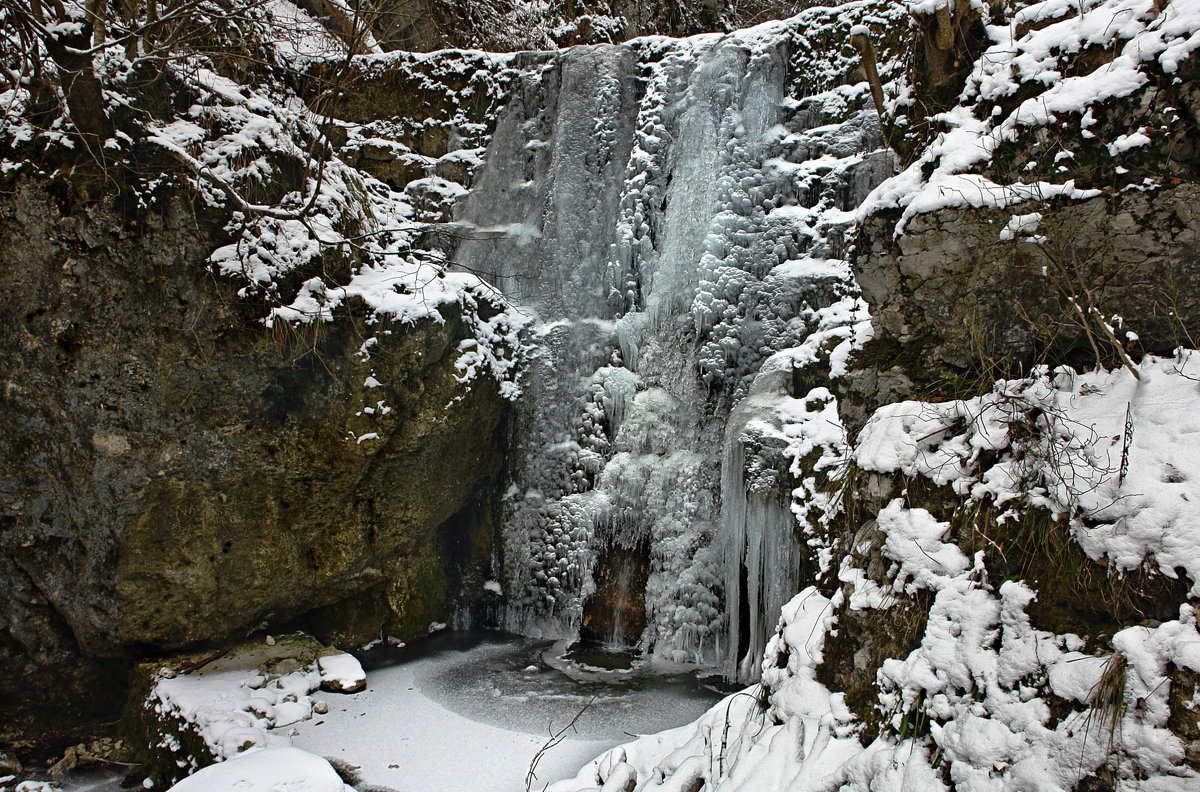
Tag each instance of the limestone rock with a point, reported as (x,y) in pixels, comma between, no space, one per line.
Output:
(951,299)
(174,473)
(10,764)
(341,673)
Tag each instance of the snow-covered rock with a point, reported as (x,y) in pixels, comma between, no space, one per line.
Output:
(205,709)
(267,770)
(341,673)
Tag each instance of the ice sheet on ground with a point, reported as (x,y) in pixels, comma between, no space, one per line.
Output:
(455,719)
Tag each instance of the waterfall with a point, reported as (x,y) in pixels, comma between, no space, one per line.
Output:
(670,215)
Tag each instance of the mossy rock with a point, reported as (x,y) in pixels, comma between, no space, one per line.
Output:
(176,473)
(956,307)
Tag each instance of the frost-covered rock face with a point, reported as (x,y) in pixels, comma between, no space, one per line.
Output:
(671,213)
(1007,601)
(175,472)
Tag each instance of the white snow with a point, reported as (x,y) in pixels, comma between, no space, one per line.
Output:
(401,738)
(474,719)
(341,673)
(299,37)
(1126,142)
(1073,464)
(266,770)
(1020,225)
(726,215)
(464,716)
(732,214)
(974,679)
(233,706)
(236,138)
(982,677)
(914,542)
(1031,52)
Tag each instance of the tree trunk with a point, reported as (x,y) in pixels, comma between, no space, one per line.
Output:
(82,88)
(97,11)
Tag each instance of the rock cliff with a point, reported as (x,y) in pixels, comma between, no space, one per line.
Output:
(175,473)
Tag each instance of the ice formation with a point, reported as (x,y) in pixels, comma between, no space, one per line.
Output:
(986,701)
(674,213)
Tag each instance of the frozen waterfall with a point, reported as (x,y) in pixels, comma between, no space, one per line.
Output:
(671,214)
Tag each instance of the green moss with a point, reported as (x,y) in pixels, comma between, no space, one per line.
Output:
(168,747)
(808,377)
(1184,719)
(1075,593)
(885,352)
(171,749)
(863,641)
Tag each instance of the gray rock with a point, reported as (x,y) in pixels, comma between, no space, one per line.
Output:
(952,301)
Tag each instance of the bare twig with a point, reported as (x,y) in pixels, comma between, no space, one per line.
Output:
(195,665)
(556,737)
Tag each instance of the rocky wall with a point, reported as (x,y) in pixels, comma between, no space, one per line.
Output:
(174,473)
(955,305)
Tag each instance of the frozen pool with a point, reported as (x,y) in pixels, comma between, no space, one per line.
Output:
(469,713)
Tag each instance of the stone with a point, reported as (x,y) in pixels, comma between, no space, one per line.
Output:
(341,673)
(170,746)
(203,484)
(949,298)
(111,444)
(10,764)
(66,764)
(288,665)
(378,152)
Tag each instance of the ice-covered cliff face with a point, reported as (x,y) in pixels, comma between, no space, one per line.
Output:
(1012,598)
(671,213)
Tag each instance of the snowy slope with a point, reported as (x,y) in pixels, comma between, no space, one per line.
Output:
(983,690)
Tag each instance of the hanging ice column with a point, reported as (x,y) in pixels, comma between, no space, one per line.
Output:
(760,530)
(669,214)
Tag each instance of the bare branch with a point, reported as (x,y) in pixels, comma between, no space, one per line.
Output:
(555,738)
(206,174)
